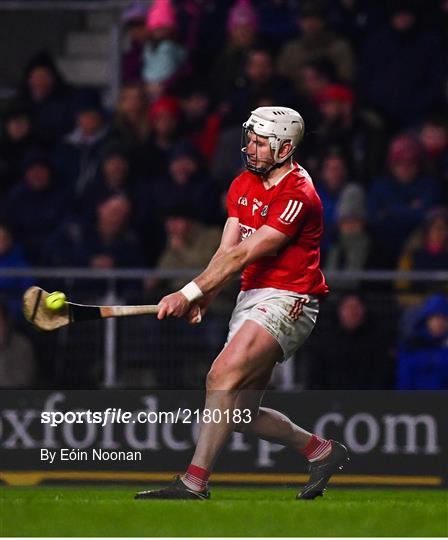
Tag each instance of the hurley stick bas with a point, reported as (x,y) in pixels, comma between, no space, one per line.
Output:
(39,315)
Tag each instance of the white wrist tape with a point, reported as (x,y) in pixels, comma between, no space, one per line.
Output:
(192,292)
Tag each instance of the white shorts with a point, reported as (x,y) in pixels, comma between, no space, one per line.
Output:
(288,316)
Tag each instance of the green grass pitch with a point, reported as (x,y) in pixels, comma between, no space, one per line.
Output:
(111,511)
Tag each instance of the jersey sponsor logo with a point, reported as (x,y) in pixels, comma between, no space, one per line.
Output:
(256,206)
(264,212)
(291,212)
(242,201)
(246,231)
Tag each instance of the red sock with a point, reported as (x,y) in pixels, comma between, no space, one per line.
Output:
(196,478)
(316,448)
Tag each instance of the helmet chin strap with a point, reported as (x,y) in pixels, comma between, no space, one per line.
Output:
(271,168)
(258,170)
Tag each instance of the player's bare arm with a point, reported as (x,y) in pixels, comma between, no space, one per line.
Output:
(229,261)
(229,239)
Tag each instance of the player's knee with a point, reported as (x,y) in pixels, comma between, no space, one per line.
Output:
(220,379)
(213,379)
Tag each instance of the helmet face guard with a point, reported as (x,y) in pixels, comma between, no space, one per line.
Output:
(276,124)
(261,166)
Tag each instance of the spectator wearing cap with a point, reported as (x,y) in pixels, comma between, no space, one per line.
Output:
(134,27)
(423,355)
(16,140)
(316,42)
(78,157)
(402,71)
(242,33)
(163,57)
(164,117)
(36,205)
(359,135)
(399,200)
(332,94)
(48,98)
(314,78)
(351,245)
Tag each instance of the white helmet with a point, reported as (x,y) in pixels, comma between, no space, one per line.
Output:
(278,124)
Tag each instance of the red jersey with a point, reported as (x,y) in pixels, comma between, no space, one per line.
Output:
(293,207)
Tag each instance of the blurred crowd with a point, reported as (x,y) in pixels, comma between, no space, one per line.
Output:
(143,184)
